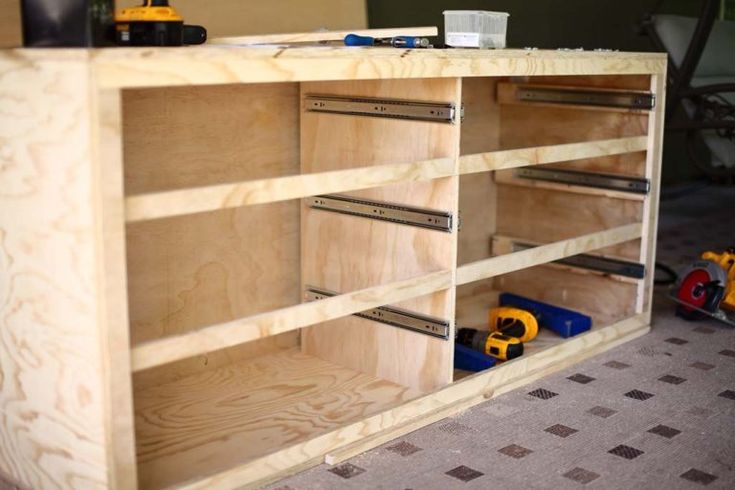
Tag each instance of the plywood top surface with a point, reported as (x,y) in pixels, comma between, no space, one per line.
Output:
(211,64)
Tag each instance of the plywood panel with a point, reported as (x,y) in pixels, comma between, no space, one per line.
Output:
(480,132)
(238,18)
(212,421)
(345,253)
(545,215)
(602,298)
(52,432)
(193,271)
(194,136)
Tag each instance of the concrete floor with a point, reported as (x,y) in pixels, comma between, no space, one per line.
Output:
(657,412)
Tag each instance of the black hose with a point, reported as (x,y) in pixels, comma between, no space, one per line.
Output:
(671,275)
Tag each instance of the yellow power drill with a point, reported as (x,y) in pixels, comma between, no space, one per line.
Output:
(513,322)
(493,344)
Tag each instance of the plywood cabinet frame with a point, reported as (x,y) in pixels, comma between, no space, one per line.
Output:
(109,72)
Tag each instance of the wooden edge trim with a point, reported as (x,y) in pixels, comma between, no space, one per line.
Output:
(208,339)
(201,199)
(503,264)
(514,373)
(315,37)
(539,155)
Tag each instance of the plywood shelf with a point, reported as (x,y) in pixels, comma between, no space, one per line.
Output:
(212,421)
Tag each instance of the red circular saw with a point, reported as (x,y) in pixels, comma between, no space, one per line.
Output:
(706,287)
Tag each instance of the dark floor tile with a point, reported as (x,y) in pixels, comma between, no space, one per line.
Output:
(561,430)
(702,365)
(403,448)
(638,395)
(727,352)
(626,452)
(464,473)
(542,393)
(674,380)
(515,451)
(346,470)
(705,330)
(728,394)
(603,412)
(580,475)
(616,365)
(665,431)
(581,378)
(697,476)
(676,341)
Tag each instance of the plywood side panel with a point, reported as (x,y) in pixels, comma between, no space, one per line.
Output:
(52,432)
(545,216)
(345,253)
(196,136)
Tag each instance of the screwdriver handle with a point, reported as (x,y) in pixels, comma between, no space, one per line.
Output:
(355,40)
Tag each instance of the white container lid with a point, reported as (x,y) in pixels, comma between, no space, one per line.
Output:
(475,12)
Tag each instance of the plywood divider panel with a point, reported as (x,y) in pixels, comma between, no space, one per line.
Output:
(345,253)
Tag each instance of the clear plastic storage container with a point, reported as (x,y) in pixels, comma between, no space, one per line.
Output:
(475,28)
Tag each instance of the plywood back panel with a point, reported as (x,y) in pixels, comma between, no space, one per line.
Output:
(545,216)
(193,271)
(345,253)
(241,17)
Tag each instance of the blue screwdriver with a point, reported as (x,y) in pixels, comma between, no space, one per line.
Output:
(396,42)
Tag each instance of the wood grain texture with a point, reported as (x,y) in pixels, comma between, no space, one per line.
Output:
(556,153)
(225,196)
(239,331)
(323,36)
(213,421)
(52,428)
(129,67)
(345,253)
(547,215)
(511,374)
(193,271)
(502,264)
(600,297)
(113,320)
(650,208)
(11,32)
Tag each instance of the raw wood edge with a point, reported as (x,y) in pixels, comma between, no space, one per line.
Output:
(495,266)
(224,196)
(539,155)
(315,37)
(229,334)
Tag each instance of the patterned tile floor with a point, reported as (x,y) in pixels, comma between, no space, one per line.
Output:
(657,412)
